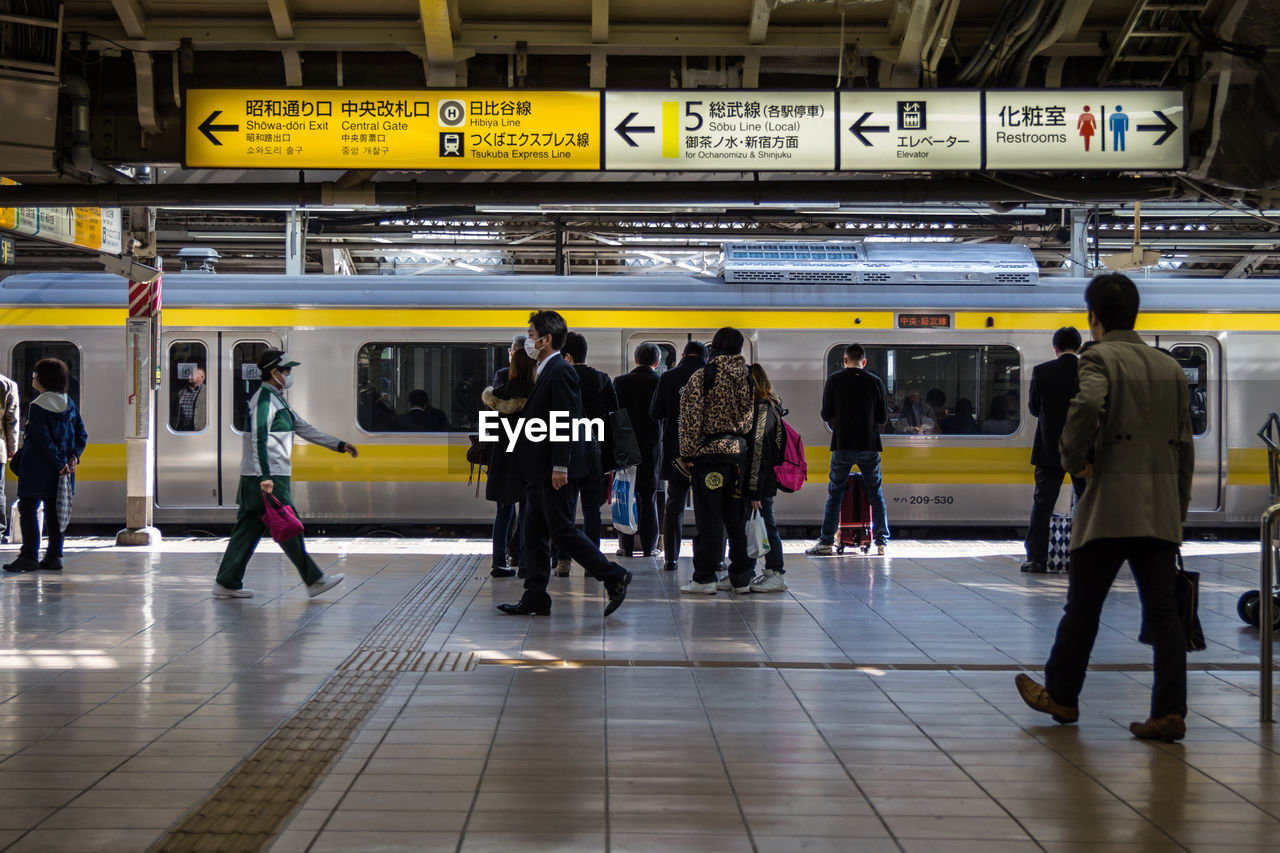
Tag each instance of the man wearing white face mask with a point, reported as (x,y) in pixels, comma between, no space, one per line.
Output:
(265,467)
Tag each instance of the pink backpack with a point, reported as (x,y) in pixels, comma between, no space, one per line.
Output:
(793,468)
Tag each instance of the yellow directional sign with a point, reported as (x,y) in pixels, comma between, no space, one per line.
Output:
(411,129)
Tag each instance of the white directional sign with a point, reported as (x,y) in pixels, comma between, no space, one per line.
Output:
(712,130)
(1087,129)
(910,130)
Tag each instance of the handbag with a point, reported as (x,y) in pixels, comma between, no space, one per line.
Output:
(1186,592)
(14,462)
(65,490)
(757,536)
(280,519)
(621,449)
(626,514)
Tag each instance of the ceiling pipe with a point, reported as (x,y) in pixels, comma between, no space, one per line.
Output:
(82,159)
(738,194)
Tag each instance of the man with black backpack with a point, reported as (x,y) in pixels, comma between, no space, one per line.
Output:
(716,414)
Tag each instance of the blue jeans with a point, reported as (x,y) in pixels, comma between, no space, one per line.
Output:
(868,462)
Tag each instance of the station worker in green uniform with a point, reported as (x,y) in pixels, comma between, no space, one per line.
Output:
(265,467)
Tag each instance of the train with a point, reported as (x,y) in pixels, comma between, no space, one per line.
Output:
(932,328)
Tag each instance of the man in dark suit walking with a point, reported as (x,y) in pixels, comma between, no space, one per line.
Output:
(665,408)
(1053,384)
(854,409)
(547,467)
(635,394)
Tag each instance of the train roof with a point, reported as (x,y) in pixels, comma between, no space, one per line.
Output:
(194,290)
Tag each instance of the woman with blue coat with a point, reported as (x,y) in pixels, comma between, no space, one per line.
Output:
(53,442)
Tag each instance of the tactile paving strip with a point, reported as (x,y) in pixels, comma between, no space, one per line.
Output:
(251,805)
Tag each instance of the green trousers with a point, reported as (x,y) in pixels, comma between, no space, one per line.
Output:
(249,529)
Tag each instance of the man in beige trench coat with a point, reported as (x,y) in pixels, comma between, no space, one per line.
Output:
(1128,432)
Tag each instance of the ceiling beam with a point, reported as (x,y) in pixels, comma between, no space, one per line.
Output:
(132,18)
(1245,266)
(600,21)
(906,68)
(282,18)
(438,33)
(758,24)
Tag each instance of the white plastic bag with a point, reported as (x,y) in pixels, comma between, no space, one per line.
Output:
(626,514)
(757,536)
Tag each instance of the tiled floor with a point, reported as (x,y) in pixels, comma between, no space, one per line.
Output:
(129,694)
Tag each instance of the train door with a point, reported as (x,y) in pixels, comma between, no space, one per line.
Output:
(188,452)
(1201,363)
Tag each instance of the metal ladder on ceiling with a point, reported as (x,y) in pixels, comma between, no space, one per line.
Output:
(1150,44)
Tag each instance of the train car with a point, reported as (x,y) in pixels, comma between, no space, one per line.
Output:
(963,349)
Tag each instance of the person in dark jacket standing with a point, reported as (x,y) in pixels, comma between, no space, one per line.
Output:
(764,451)
(54,441)
(599,400)
(9,429)
(548,468)
(504,486)
(716,411)
(635,394)
(853,407)
(1053,384)
(665,408)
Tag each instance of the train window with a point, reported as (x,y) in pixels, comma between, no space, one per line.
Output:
(188,394)
(667,356)
(25,356)
(245,379)
(1195,364)
(424,387)
(945,390)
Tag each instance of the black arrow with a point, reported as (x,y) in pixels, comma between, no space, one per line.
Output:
(624,129)
(1167,126)
(857,129)
(207,127)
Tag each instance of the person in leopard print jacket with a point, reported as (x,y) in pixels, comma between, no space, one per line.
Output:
(716,414)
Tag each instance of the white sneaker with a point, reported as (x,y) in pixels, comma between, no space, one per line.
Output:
(822,549)
(770,581)
(324,584)
(695,588)
(562,568)
(880,550)
(220,591)
(724,585)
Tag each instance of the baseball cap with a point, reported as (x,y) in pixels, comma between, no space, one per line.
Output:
(274,359)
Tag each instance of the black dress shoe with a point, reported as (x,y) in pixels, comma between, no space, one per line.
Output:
(1034,568)
(669,566)
(617,591)
(520,608)
(22,564)
(496,572)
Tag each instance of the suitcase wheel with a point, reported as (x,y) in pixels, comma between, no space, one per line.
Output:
(839,549)
(1247,607)
(866,549)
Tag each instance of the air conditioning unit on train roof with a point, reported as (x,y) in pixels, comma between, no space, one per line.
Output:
(875,262)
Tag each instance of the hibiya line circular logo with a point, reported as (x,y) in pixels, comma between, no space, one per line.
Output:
(558,428)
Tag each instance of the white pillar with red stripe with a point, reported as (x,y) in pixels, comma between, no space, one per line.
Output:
(142,336)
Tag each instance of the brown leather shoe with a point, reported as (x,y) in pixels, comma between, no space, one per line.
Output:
(1168,728)
(1038,699)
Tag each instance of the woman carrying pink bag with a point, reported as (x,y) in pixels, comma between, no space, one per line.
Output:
(263,495)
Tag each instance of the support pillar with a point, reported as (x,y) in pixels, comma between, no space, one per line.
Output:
(142,338)
(295,245)
(1079,242)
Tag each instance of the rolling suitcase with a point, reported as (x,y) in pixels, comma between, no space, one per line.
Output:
(855,517)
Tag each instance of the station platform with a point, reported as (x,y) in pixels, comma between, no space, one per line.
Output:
(870,708)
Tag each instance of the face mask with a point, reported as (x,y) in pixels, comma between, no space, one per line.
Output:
(531,349)
(288,381)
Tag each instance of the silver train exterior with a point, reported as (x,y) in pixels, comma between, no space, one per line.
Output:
(341,328)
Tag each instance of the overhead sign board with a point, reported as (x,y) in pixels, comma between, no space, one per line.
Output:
(99,229)
(1095,129)
(915,130)
(412,129)
(740,129)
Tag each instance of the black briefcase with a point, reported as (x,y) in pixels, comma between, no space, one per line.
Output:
(620,448)
(1186,590)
